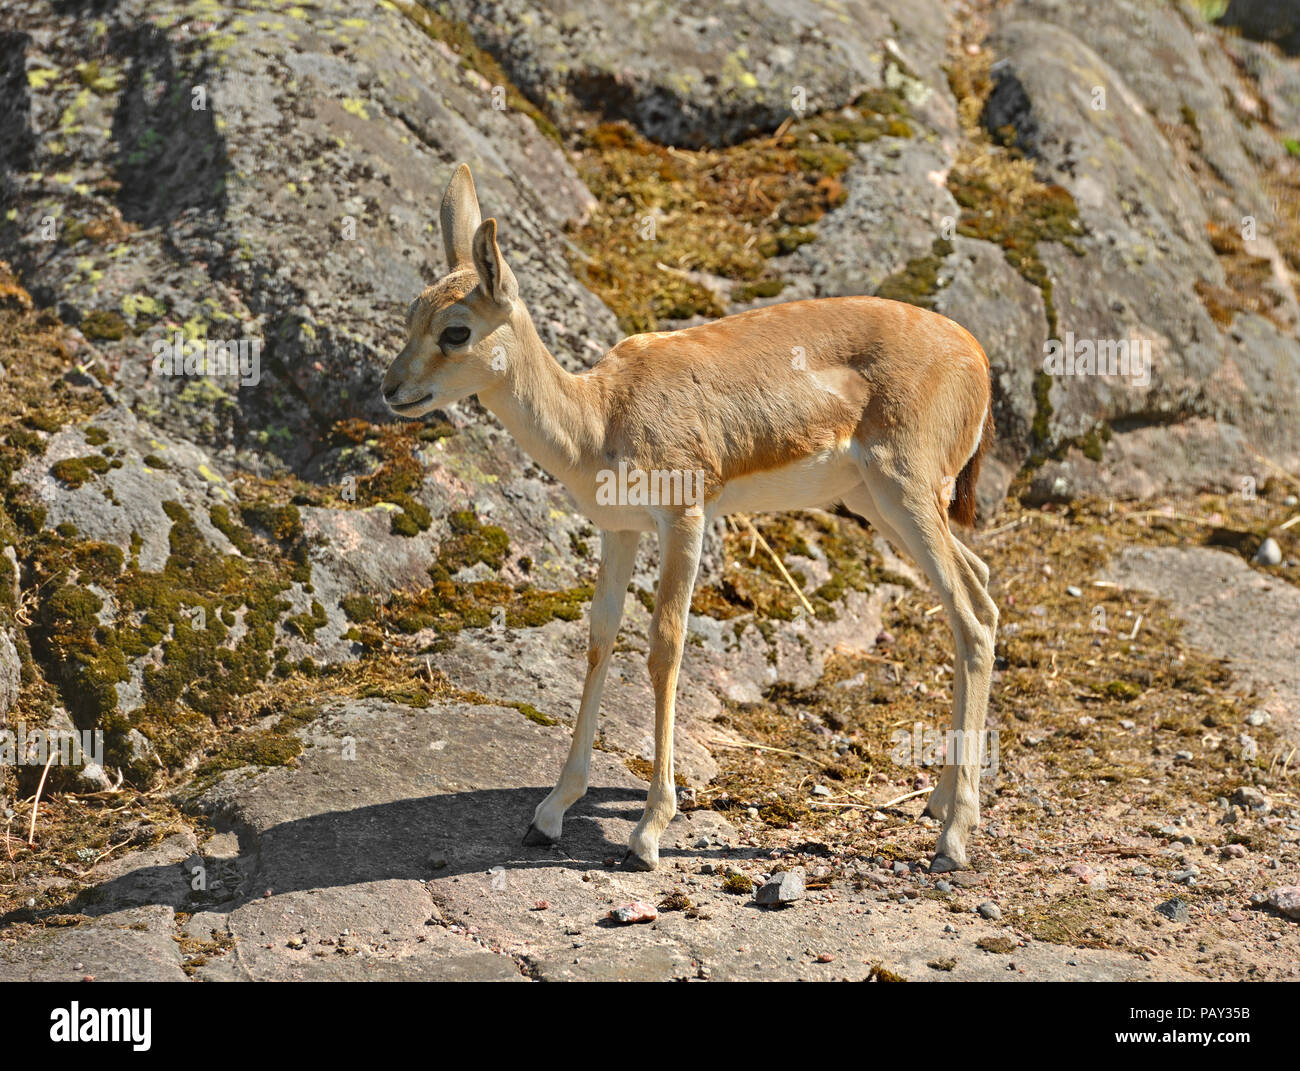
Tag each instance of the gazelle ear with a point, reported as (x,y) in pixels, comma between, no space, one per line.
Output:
(494,274)
(460,219)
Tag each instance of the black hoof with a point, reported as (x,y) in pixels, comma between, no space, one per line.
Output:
(632,861)
(941,864)
(535,838)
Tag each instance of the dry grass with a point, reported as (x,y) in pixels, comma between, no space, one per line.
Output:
(674,229)
(1103,737)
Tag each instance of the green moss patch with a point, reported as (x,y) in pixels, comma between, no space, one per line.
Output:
(184,613)
(75,471)
(104,325)
(917,282)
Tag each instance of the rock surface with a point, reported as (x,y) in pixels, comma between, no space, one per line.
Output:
(426,879)
(1224,603)
(713,74)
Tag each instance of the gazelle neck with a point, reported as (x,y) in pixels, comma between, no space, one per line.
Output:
(553,414)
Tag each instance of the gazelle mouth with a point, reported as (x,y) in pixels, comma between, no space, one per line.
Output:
(406,407)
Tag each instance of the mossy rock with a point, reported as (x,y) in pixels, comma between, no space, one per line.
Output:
(75,471)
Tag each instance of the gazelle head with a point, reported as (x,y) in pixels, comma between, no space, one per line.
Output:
(458,331)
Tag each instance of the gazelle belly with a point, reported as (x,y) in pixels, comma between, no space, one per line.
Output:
(809,483)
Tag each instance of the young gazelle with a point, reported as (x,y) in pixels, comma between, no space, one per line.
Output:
(875,404)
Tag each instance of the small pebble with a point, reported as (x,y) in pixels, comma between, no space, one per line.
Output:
(1074,592)
(1175,910)
(1269,553)
(637,911)
(1086,874)
(990,910)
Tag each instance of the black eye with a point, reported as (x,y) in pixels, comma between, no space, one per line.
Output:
(454,336)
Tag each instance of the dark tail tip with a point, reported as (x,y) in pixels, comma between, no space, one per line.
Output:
(962,507)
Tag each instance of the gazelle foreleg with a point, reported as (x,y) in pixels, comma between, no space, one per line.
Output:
(617,560)
(681,537)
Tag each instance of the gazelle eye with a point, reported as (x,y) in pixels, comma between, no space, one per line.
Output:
(454,336)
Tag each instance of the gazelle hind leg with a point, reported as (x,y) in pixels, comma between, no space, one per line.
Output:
(986,612)
(975,562)
(908,506)
(617,559)
(860,502)
(681,537)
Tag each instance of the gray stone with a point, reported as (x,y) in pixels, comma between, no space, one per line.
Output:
(1174,910)
(1251,797)
(783,887)
(1286,899)
(717,71)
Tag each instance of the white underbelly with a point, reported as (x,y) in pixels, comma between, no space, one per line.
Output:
(814,481)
